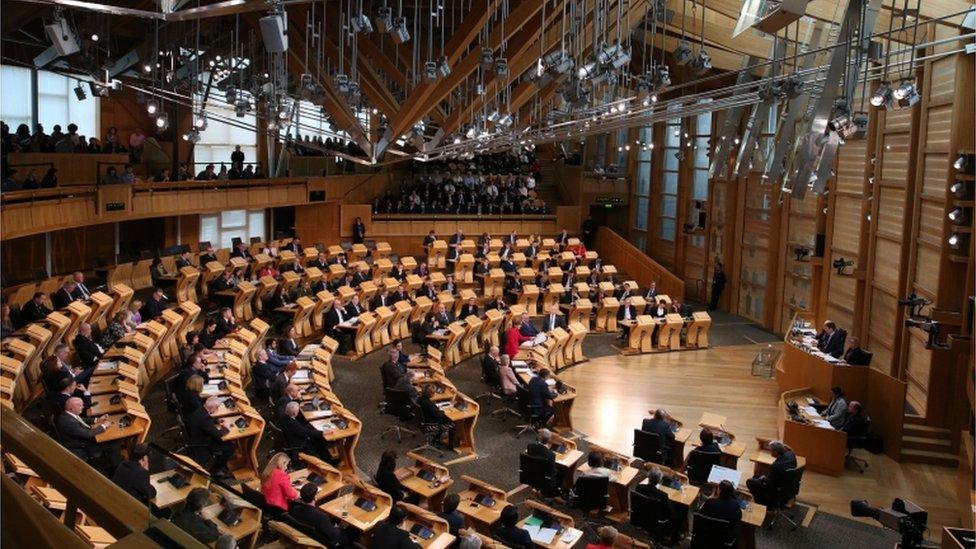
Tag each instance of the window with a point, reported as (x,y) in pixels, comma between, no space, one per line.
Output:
(219,139)
(623,150)
(58,104)
(669,181)
(220,229)
(703,131)
(313,122)
(15,99)
(642,188)
(600,158)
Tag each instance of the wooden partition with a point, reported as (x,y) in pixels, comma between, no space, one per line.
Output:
(73,169)
(617,251)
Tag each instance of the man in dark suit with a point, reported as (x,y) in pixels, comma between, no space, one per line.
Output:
(429,240)
(392,369)
(469,309)
(526,328)
(302,435)
(855,355)
(650,490)
(321,263)
(154,306)
(400,294)
(659,423)
(78,435)
(510,533)
(513,288)
(830,340)
(725,506)
(209,255)
(354,309)
(430,413)
(242,252)
(81,290)
(190,521)
(708,444)
(540,395)
(34,310)
(382,299)
(86,349)
(320,525)
(65,295)
(333,319)
(295,246)
(553,320)
(443,316)
(388,534)
(206,439)
(183,260)
(762,487)
(540,449)
(132,475)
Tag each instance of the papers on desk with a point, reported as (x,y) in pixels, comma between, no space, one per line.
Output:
(823,424)
(719,473)
(300,375)
(550,382)
(519,364)
(107,365)
(811,400)
(440,332)
(526,371)
(443,405)
(211,388)
(808,410)
(539,534)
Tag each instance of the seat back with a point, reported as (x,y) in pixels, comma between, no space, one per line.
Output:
(699,465)
(591,493)
(648,446)
(709,533)
(535,471)
(398,404)
(789,486)
(489,372)
(648,514)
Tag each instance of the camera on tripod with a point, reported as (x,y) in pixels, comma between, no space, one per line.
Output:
(903,517)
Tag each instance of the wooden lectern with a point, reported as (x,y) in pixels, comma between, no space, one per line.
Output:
(383,250)
(574,346)
(265,291)
(579,313)
(400,323)
(186,284)
(640,334)
(494,283)
(553,294)
(381,267)
(530,299)
(606,315)
(381,329)
(490,328)
(437,255)
(464,271)
(698,330)
(669,332)
(357,253)
(243,295)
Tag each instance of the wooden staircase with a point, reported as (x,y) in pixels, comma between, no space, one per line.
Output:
(924,444)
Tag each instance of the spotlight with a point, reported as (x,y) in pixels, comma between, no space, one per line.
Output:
(682,53)
(94,37)
(487,56)
(957,241)
(80,92)
(400,33)
(152,106)
(588,70)
(702,63)
(342,83)
(383,19)
(98,90)
(882,96)
(191,136)
(501,67)
(162,121)
(430,71)
(958,216)
(843,125)
(906,94)
(662,78)
(360,23)
(200,121)
(621,58)
(147,68)
(443,66)
(962,162)
(792,87)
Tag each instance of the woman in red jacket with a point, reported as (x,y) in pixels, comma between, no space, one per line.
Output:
(275,483)
(514,338)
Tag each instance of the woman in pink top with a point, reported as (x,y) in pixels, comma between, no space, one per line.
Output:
(507,374)
(275,483)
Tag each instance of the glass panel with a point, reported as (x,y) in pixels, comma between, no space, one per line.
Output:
(670,183)
(669,206)
(667,229)
(700,185)
(640,221)
(643,178)
(255,223)
(15,99)
(217,142)
(58,104)
(670,160)
(232,218)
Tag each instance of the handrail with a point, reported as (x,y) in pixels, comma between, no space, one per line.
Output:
(616,250)
(108,505)
(47,193)
(459,217)
(35,525)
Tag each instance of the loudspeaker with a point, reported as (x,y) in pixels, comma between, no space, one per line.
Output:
(316,196)
(274,31)
(62,37)
(820,245)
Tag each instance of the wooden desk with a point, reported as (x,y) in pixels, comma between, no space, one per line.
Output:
(295,537)
(763,459)
(823,447)
(606,315)
(439,533)
(246,531)
(566,536)
(567,458)
(344,508)
(431,490)
(244,464)
(168,495)
(697,333)
(480,516)
(464,422)
(345,438)
(95,536)
(562,405)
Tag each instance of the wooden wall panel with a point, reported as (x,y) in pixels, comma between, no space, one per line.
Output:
(883,310)
(927,270)
(896,158)
(887,261)
(930,221)
(850,167)
(891,212)
(847,223)
(917,366)
(939,127)
(942,80)
(936,166)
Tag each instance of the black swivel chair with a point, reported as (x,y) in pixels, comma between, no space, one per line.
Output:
(649,515)
(279,443)
(399,405)
(712,533)
(699,466)
(536,472)
(783,497)
(532,413)
(591,493)
(858,439)
(648,446)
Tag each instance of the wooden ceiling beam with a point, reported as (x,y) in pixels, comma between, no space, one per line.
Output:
(419,97)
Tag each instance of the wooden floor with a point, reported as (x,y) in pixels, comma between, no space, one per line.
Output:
(615,393)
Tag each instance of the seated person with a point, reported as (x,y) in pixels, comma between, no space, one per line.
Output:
(87,351)
(264,374)
(510,382)
(510,533)
(661,425)
(659,310)
(856,424)
(541,396)
(673,511)
(389,535)
(456,524)
(540,449)
(596,469)
(132,475)
(206,442)
(301,436)
(553,319)
(762,487)
(276,484)
(491,367)
(724,506)
(855,355)
(77,434)
(526,328)
(830,340)
(319,523)
(431,414)
(392,369)
(708,443)
(387,480)
(836,411)
(470,308)
(607,538)
(190,521)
